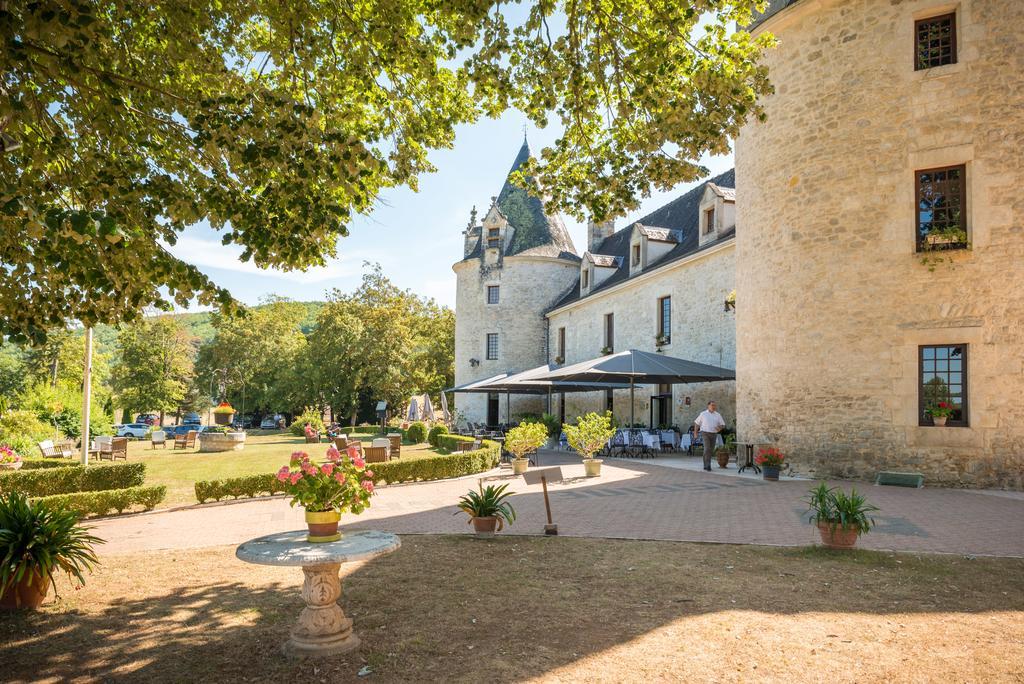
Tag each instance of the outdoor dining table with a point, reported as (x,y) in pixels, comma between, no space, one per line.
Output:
(322,628)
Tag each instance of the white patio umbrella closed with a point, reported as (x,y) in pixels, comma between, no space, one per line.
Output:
(413,414)
(427,413)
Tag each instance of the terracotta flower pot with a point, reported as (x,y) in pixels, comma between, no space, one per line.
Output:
(592,466)
(723,456)
(939,421)
(28,594)
(485,525)
(519,465)
(770,473)
(323,526)
(838,537)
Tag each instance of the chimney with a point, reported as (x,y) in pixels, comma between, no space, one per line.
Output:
(597,232)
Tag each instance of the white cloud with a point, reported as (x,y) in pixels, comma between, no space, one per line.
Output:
(206,253)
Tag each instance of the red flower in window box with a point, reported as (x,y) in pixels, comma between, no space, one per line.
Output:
(942,409)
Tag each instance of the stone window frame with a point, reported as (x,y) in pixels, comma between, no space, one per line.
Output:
(585,279)
(491,350)
(975,186)
(661,315)
(964,198)
(922,354)
(496,291)
(560,344)
(609,331)
(949,14)
(635,258)
(708,220)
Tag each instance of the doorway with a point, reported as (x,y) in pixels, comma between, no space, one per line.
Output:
(661,407)
(492,409)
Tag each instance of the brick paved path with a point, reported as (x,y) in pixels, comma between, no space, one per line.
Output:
(638,500)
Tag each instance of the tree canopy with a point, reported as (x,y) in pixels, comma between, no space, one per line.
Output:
(124,122)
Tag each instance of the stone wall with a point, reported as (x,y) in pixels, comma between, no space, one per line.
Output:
(701,331)
(529,285)
(833,302)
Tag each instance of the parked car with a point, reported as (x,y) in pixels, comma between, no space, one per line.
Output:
(191,418)
(132,430)
(182,429)
(268,423)
(147,418)
(242,423)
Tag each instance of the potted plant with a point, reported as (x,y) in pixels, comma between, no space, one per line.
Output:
(940,412)
(8,459)
(342,484)
(223,414)
(589,435)
(559,360)
(840,518)
(771,460)
(487,508)
(524,440)
(725,452)
(661,340)
(36,542)
(605,351)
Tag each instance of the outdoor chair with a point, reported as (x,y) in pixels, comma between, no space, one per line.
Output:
(312,437)
(396,445)
(618,443)
(375,454)
(158,438)
(67,448)
(119,448)
(341,443)
(49,450)
(190,439)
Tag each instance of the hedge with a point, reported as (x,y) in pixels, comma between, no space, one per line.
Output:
(434,432)
(101,503)
(38,462)
(78,478)
(451,442)
(411,470)
(238,487)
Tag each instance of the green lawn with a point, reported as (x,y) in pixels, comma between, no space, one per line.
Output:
(264,452)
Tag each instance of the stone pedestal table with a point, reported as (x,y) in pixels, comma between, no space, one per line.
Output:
(322,628)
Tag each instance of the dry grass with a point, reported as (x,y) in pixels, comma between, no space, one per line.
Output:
(514,609)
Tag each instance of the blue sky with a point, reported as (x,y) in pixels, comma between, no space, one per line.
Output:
(415,236)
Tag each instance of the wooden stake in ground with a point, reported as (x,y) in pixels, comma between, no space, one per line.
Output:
(542,476)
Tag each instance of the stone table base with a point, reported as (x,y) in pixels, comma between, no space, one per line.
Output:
(322,628)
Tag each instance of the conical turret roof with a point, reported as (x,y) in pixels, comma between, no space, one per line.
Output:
(536,232)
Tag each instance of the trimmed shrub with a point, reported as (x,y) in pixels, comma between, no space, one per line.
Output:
(238,487)
(451,442)
(433,434)
(40,462)
(309,415)
(411,470)
(417,432)
(101,503)
(45,482)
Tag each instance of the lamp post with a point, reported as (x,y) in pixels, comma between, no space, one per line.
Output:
(86,395)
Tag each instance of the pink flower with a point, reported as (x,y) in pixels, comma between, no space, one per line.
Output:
(358,462)
(327,468)
(368,473)
(333,454)
(308,468)
(282,476)
(368,486)
(340,477)
(298,456)
(295,478)
(353,451)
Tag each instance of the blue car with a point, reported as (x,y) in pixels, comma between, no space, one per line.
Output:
(183,429)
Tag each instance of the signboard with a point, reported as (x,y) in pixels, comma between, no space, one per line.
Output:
(382,406)
(534,476)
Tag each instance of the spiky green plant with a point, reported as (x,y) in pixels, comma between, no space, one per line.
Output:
(36,539)
(833,507)
(489,502)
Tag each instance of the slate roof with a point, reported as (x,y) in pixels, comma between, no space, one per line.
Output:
(679,215)
(536,233)
(774,7)
(658,234)
(606,260)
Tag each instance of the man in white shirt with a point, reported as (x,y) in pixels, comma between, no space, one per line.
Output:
(708,424)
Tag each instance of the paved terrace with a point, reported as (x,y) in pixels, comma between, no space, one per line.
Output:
(631,500)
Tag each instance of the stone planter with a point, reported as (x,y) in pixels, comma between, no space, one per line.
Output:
(519,465)
(323,526)
(221,441)
(838,537)
(592,466)
(770,473)
(223,418)
(939,421)
(486,525)
(11,466)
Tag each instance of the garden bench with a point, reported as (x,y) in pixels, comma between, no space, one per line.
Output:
(186,440)
(49,449)
(375,454)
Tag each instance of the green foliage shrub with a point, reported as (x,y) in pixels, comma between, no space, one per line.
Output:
(37,462)
(417,432)
(309,415)
(433,434)
(61,407)
(22,430)
(451,442)
(75,478)
(102,502)
(411,470)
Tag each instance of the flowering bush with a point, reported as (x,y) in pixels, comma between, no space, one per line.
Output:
(224,407)
(943,409)
(341,484)
(7,455)
(769,458)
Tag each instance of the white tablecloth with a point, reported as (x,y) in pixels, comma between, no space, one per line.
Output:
(669,437)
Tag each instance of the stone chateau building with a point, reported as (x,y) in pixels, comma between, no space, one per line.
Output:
(878,265)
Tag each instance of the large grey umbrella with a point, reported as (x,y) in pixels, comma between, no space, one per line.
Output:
(427,412)
(639,367)
(413,414)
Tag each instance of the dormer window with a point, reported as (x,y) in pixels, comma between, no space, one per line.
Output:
(716,213)
(493,238)
(709,221)
(636,254)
